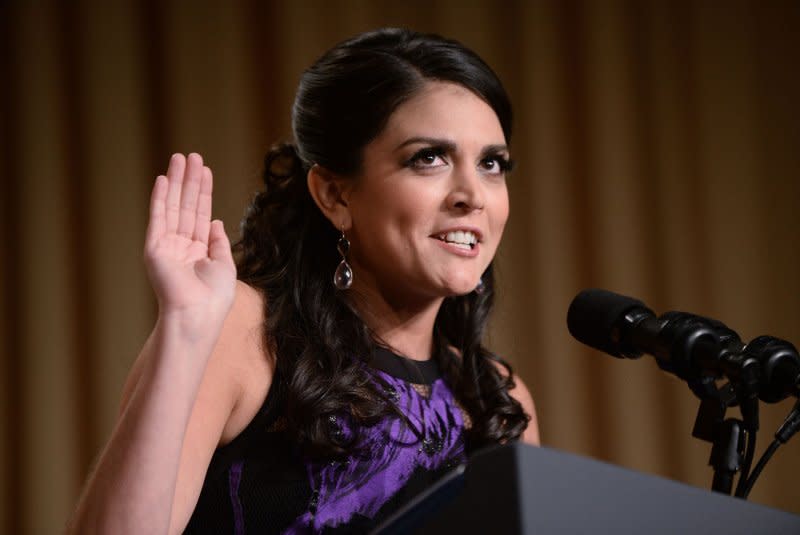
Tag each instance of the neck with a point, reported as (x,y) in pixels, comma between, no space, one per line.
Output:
(405,327)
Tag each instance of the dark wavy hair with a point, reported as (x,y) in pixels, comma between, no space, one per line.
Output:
(288,248)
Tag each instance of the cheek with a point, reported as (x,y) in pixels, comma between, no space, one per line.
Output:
(391,221)
(407,211)
(500,210)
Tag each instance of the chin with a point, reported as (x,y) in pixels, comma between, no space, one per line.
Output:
(456,288)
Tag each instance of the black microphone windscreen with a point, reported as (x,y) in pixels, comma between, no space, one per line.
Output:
(594,313)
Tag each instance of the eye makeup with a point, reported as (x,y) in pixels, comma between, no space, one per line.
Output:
(426,157)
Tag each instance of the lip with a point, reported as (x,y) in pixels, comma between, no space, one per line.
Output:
(467,253)
(475,230)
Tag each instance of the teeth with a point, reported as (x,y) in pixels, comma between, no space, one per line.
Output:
(459,237)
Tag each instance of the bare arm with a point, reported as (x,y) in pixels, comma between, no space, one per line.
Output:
(191,270)
(520,393)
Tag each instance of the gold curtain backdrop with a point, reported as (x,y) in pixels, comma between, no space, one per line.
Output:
(657,148)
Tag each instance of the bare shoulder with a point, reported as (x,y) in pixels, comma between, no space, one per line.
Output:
(234,386)
(247,360)
(521,393)
(243,328)
(238,374)
(239,354)
(235,383)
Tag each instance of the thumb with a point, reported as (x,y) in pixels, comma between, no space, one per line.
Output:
(219,246)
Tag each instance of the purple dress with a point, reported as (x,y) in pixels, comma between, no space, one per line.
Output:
(260,483)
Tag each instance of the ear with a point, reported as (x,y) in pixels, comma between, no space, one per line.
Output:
(328,191)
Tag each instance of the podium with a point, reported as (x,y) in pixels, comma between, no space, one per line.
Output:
(520,489)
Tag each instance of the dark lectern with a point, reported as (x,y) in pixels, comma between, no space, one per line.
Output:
(519,489)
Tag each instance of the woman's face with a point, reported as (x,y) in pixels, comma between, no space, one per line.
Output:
(429,207)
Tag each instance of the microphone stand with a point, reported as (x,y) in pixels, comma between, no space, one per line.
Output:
(725,434)
(701,351)
(729,436)
(727,454)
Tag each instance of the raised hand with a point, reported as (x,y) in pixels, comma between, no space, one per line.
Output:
(188,256)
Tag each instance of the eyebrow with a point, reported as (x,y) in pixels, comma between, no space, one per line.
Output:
(494,149)
(448,144)
(439,142)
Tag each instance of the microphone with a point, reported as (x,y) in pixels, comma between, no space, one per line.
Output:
(683,344)
(780,367)
(689,346)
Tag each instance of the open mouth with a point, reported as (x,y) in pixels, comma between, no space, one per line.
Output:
(459,238)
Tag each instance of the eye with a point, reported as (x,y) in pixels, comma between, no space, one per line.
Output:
(426,158)
(496,164)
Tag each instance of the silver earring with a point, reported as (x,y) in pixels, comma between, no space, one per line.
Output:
(343,277)
(480,288)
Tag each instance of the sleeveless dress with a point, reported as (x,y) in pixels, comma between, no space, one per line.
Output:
(260,482)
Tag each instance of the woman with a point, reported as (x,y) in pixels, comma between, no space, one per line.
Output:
(344,370)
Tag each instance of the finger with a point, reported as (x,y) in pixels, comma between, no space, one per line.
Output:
(189,195)
(157,223)
(203,223)
(177,166)
(219,246)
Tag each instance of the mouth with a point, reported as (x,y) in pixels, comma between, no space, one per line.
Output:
(462,239)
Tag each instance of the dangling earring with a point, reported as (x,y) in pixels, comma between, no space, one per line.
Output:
(343,277)
(480,288)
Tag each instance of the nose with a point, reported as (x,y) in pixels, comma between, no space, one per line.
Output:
(466,193)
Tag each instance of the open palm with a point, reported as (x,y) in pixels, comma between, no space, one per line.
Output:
(188,256)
